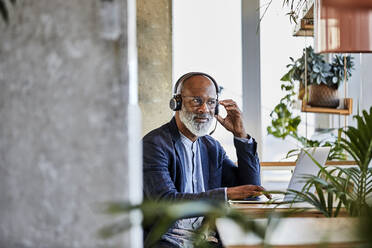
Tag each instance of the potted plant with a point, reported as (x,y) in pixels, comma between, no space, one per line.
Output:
(323,78)
(350,187)
(285,123)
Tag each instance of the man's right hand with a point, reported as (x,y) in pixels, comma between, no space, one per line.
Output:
(245,191)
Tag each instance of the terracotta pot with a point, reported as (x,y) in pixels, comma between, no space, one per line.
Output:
(323,96)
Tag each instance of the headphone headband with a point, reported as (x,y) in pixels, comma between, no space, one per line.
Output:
(191,74)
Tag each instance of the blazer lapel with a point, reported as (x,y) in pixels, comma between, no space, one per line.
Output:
(177,147)
(176,140)
(205,163)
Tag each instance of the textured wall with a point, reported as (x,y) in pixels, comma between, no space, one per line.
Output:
(154,37)
(63,131)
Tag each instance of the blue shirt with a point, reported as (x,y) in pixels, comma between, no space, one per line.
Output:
(180,234)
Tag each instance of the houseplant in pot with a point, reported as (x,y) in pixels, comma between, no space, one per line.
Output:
(323,78)
(285,123)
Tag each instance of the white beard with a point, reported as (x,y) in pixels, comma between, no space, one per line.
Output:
(198,129)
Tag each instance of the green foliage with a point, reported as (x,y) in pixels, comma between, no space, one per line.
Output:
(4,9)
(163,214)
(295,8)
(294,5)
(318,70)
(338,69)
(324,196)
(350,187)
(284,123)
(359,145)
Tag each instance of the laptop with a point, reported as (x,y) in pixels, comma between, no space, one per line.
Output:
(304,166)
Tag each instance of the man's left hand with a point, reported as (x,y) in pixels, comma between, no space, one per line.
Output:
(233,120)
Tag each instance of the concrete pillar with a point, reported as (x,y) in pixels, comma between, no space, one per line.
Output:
(251,70)
(154,26)
(66,122)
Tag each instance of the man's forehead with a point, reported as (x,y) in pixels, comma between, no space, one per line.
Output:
(198,77)
(199,82)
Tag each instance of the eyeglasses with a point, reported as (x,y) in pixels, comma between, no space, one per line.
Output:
(197,101)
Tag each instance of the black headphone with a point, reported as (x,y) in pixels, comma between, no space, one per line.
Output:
(175,102)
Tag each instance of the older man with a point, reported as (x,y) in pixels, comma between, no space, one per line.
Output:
(180,161)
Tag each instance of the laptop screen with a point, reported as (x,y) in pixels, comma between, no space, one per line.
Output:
(306,166)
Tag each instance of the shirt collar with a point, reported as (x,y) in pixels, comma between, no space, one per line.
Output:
(188,143)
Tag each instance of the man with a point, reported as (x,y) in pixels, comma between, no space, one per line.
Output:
(180,161)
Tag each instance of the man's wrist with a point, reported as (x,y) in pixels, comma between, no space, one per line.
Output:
(230,193)
(242,136)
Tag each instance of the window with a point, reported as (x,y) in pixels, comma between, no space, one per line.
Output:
(207,38)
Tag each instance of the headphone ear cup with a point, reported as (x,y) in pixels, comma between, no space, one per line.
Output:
(216,109)
(175,103)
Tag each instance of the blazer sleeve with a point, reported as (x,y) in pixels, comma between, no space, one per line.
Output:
(157,179)
(248,169)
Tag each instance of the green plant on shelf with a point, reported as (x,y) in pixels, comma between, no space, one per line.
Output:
(284,123)
(319,71)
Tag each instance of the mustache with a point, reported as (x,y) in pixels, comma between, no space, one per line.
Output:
(207,116)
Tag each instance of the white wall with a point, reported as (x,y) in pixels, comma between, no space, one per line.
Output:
(360,85)
(277,45)
(207,38)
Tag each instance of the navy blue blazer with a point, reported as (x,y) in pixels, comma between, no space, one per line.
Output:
(163,165)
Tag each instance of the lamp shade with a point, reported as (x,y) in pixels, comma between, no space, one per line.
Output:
(349,3)
(343,26)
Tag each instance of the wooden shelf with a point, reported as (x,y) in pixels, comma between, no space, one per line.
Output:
(305,27)
(347,111)
(328,163)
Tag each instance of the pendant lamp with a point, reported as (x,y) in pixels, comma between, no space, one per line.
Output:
(343,26)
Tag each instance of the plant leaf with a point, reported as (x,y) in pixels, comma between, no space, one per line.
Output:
(4,11)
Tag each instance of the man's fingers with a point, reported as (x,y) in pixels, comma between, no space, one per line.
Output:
(219,119)
(229,105)
(259,188)
(232,108)
(227,102)
(268,196)
(256,193)
(263,191)
(244,191)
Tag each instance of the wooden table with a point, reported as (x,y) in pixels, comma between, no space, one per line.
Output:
(263,210)
(293,232)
